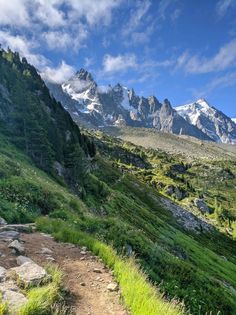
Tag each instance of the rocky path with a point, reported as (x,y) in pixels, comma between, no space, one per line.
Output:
(91,285)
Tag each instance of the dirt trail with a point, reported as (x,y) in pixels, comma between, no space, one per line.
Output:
(85,276)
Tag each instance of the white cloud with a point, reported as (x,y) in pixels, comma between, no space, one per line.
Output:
(118,63)
(64,40)
(24,46)
(223,59)
(223,6)
(59,74)
(14,12)
(94,11)
(63,24)
(48,12)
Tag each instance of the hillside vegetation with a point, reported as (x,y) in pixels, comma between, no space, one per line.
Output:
(194,169)
(111,202)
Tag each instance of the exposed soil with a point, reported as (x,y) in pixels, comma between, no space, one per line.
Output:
(85,276)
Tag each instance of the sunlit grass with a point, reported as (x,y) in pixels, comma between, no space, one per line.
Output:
(139,295)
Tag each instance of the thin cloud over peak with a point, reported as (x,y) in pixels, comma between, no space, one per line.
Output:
(58,74)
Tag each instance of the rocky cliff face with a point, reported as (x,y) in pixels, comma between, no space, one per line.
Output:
(209,120)
(119,106)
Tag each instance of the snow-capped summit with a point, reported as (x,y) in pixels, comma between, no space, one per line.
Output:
(209,120)
(234,120)
(118,105)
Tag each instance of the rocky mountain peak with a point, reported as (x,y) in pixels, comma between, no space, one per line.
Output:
(119,105)
(166,107)
(154,104)
(211,121)
(84,75)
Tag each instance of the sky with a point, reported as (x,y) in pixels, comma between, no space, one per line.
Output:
(182,50)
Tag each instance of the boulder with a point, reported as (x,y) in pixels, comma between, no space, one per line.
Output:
(30,274)
(2,273)
(201,205)
(8,285)
(8,236)
(15,300)
(17,246)
(17,227)
(112,287)
(20,260)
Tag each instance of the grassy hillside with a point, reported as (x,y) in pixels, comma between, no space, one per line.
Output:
(120,210)
(177,177)
(27,193)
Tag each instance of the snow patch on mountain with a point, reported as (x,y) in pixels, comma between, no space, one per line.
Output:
(96,105)
(209,120)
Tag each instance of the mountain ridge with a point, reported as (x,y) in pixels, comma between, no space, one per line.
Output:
(211,121)
(119,106)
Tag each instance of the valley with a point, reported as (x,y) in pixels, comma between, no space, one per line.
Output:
(164,223)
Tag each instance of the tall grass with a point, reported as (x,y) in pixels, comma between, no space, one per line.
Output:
(42,300)
(139,295)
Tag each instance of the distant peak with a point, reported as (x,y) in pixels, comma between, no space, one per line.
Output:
(166,102)
(203,102)
(83,74)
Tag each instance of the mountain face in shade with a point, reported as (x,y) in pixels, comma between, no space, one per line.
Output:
(37,124)
(209,120)
(118,106)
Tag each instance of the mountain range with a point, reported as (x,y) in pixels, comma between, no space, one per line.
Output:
(101,106)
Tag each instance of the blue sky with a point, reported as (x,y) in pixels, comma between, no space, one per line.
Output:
(176,49)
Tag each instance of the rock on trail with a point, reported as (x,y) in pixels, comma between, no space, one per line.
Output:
(91,286)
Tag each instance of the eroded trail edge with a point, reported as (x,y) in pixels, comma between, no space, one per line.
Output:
(91,286)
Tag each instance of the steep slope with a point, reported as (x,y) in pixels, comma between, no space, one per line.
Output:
(37,123)
(234,120)
(103,106)
(26,192)
(209,120)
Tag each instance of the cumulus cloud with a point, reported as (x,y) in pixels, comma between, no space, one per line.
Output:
(223,59)
(59,74)
(14,12)
(63,40)
(118,63)
(94,11)
(61,24)
(24,46)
